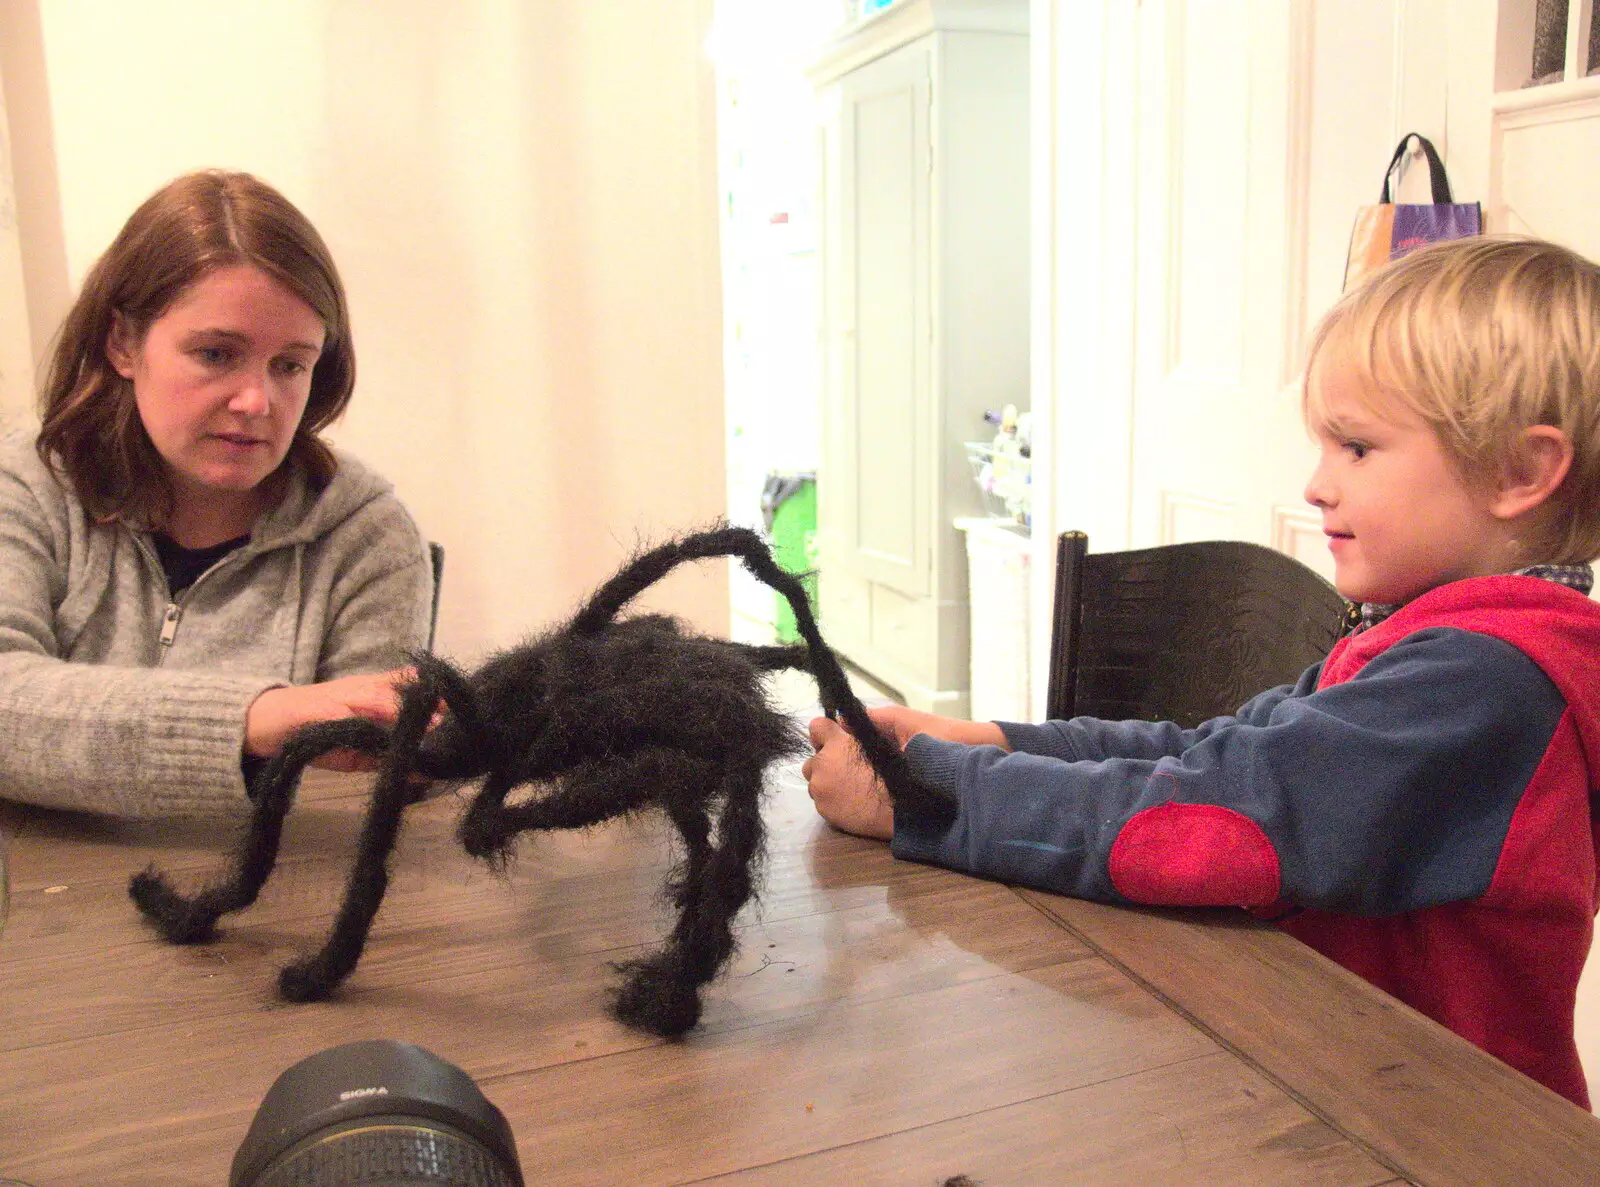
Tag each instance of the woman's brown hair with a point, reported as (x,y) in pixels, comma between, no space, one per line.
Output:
(91,434)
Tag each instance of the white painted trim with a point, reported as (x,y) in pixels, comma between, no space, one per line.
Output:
(1297,190)
(889,28)
(1174,502)
(1083,125)
(1397,74)
(1551,103)
(1577,57)
(1045,171)
(1172,156)
(1291,527)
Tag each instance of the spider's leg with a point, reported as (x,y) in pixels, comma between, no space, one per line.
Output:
(694,826)
(445,682)
(188,920)
(661,993)
(317,976)
(651,565)
(586,793)
(459,748)
(484,830)
(775,658)
(838,698)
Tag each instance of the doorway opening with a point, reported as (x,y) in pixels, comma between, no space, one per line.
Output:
(767,180)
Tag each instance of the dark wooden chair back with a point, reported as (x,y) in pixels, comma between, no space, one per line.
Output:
(436,559)
(1183,632)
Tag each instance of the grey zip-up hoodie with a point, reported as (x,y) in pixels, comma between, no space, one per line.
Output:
(116,698)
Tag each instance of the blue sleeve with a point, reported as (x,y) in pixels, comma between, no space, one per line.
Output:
(1386,793)
(1091,739)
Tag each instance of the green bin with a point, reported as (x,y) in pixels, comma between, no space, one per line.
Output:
(789,506)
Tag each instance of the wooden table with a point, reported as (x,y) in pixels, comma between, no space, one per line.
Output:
(884,1023)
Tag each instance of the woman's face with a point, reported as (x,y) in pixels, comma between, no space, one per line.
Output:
(221,381)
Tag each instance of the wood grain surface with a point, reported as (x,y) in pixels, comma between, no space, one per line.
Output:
(883,1022)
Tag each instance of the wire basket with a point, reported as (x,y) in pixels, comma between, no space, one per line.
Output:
(1005,476)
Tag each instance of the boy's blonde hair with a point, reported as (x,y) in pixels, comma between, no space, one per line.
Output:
(1483,338)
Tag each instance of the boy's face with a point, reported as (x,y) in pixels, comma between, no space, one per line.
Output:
(1398,518)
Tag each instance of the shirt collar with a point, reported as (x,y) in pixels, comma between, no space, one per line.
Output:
(1360,616)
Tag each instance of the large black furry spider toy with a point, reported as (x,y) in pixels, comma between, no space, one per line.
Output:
(606,716)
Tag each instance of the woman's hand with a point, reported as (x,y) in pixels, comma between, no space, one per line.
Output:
(278,712)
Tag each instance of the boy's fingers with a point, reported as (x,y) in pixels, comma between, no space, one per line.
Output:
(821,731)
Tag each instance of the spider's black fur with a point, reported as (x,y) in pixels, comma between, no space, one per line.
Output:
(608,716)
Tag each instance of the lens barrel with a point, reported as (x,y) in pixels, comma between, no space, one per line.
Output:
(378,1112)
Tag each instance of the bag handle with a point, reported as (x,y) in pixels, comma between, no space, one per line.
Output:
(1436,173)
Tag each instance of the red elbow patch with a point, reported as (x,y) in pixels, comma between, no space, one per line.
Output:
(1195,855)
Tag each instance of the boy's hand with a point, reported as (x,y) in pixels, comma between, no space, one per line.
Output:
(904,724)
(843,786)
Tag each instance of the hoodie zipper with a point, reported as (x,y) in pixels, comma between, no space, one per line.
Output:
(173,614)
(169,623)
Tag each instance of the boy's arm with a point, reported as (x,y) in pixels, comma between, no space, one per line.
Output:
(1389,792)
(1091,739)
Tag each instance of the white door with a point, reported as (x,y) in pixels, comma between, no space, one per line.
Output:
(1259,127)
(880,508)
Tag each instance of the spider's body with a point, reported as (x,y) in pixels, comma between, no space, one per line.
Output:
(643,685)
(601,717)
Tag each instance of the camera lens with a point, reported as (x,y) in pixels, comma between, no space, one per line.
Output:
(378,1112)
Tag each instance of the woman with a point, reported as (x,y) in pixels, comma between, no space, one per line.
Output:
(187,573)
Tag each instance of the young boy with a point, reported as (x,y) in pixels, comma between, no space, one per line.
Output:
(1417,806)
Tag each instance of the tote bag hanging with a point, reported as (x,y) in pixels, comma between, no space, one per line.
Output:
(1389,230)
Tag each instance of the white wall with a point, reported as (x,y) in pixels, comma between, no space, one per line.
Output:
(16,362)
(521,198)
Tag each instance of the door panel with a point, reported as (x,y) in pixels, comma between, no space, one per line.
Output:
(1260,127)
(1190,457)
(884,329)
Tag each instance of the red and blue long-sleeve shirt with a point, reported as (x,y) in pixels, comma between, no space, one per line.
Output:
(1420,802)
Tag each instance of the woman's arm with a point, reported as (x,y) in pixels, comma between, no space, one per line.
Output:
(129,737)
(107,738)
(379,601)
